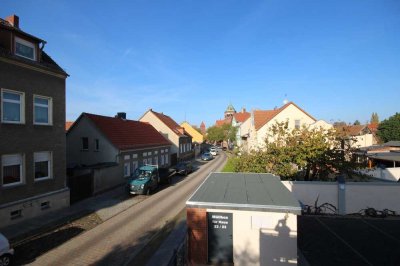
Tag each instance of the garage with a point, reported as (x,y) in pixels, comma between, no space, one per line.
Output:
(242,219)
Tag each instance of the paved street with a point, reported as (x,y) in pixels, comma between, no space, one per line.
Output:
(119,239)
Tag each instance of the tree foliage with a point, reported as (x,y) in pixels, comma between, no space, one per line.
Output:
(309,154)
(374,118)
(389,129)
(220,133)
(356,123)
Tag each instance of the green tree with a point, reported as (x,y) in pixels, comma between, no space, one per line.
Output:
(309,154)
(356,123)
(215,134)
(389,129)
(375,118)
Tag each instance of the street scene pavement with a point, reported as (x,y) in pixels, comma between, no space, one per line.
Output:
(129,224)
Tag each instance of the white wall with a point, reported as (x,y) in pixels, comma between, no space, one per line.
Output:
(75,155)
(163,129)
(390,174)
(263,238)
(309,191)
(365,140)
(358,195)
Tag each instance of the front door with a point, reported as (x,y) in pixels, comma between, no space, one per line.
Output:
(220,240)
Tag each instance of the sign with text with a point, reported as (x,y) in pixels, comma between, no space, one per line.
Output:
(220,240)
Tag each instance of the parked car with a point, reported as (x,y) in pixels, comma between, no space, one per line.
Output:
(207,156)
(6,252)
(147,178)
(184,168)
(213,151)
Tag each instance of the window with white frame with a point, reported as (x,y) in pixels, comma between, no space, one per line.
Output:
(144,153)
(162,151)
(127,157)
(43,162)
(12,107)
(12,169)
(127,169)
(42,110)
(144,161)
(134,166)
(297,123)
(149,153)
(134,156)
(25,49)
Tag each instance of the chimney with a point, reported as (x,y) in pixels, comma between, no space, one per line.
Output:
(13,20)
(243,110)
(121,115)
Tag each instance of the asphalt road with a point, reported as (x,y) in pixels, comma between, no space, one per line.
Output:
(119,239)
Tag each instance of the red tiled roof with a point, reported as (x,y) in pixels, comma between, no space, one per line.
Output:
(128,134)
(354,130)
(242,116)
(169,122)
(222,122)
(261,117)
(68,125)
(373,127)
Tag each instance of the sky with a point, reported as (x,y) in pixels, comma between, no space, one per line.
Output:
(338,60)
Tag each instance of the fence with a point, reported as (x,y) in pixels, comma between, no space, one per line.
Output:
(390,174)
(348,197)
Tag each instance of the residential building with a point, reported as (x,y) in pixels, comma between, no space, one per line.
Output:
(196,135)
(360,136)
(261,121)
(32,127)
(181,140)
(113,145)
(237,120)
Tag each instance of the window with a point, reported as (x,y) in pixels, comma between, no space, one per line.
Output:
(127,157)
(166,158)
(297,123)
(85,143)
(42,110)
(162,151)
(156,160)
(134,165)
(134,156)
(12,107)
(156,152)
(12,169)
(127,169)
(162,159)
(144,161)
(25,49)
(96,145)
(42,165)
(149,161)
(144,153)
(149,153)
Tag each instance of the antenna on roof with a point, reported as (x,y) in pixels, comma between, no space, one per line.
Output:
(285,101)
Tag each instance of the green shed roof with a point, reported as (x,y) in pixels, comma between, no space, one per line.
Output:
(244,191)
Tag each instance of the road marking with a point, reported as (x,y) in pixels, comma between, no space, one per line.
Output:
(344,241)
